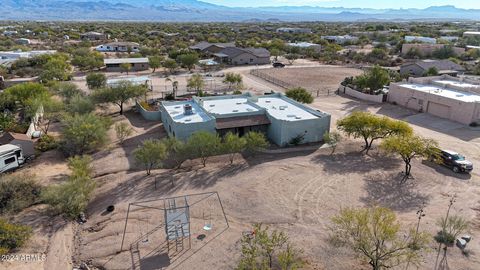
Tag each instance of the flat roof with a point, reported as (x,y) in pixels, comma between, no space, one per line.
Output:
(228,106)
(134,80)
(458,84)
(281,109)
(6,148)
(175,111)
(443,92)
(125,60)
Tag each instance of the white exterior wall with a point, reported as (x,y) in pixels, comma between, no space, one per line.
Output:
(356,94)
(459,111)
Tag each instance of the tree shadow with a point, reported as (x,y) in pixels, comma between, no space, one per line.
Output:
(355,162)
(389,191)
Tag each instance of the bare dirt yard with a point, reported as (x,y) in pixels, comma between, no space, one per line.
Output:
(318,80)
(297,192)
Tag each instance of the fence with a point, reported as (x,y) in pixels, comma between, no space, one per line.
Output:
(271,79)
(262,75)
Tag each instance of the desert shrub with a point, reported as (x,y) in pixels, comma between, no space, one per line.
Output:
(71,198)
(297,139)
(123,130)
(268,249)
(46,143)
(255,141)
(299,94)
(12,236)
(18,192)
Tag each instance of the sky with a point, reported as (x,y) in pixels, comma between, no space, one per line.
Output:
(379,4)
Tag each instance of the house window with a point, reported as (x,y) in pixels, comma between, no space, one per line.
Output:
(18,153)
(9,160)
(251,60)
(170,128)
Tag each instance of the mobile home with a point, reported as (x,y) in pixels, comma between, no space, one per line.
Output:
(11,157)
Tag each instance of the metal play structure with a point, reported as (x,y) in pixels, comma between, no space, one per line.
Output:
(176,221)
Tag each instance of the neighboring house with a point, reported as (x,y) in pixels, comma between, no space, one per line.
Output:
(421,39)
(449,38)
(137,64)
(119,47)
(340,39)
(427,49)
(9,33)
(211,48)
(18,139)
(280,118)
(471,34)
(243,56)
(23,41)
(443,96)
(294,30)
(419,68)
(306,45)
(93,36)
(14,55)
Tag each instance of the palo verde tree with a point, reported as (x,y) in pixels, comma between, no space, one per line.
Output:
(188,60)
(83,133)
(332,139)
(196,82)
(373,79)
(150,154)
(204,144)
(155,62)
(126,67)
(71,197)
(264,249)
(376,234)
(233,80)
(299,94)
(96,80)
(119,93)
(371,127)
(256,141)
(233,144)
(409,147)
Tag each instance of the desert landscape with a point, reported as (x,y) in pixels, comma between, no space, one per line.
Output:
(296,190)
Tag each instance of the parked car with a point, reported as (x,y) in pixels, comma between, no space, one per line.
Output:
(278,65)
(455,161)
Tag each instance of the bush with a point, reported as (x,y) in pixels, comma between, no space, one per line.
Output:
(71,198)
(300,94)
(12,236)
(46,143)
(18,192)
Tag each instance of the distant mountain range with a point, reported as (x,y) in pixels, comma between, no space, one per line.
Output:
(196,11)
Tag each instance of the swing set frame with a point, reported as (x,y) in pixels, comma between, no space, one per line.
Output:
(168,209)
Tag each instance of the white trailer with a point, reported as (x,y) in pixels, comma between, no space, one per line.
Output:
(11,157)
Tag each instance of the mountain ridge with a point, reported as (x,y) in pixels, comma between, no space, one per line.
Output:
(197,11)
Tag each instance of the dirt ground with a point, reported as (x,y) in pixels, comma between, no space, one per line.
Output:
(320,80)
(297,192)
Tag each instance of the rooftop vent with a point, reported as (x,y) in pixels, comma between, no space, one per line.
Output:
(188,120)
(187,109)
(239,103)
(235,111)
(212,105)
(267,101)
(177,107)
(283,107)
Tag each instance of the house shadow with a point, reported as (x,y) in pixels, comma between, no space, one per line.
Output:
(260,158)
(424,120)
(446,171)
(355,162)
(389,191)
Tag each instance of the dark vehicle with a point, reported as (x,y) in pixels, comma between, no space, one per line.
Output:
(455,161)
(278,65)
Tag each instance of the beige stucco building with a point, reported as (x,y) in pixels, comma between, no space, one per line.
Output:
(457,99)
